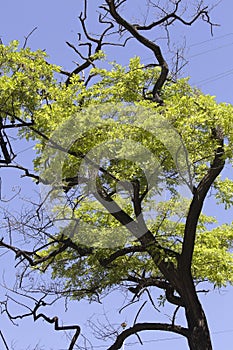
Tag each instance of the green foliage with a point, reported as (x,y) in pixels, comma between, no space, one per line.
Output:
(224,192)
(30,91)
(24,78)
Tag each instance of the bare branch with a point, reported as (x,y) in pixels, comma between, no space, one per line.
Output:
(138,313)
(202,13)
(147,43)
(52,320)
(139,327)
(4,341)
(26,171)
(98,41)
(28,36)
(155,282)
(34,258)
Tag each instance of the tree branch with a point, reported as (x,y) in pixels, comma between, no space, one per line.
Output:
(139,327)
(99,43)
(121,252)
(198,200)
(173,16)
(51,320)
(147,43)
(155,282)
(29,255)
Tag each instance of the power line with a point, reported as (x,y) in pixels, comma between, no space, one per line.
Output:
(160,339)
(25,149)
(213,39)
(214,77)
(226,331)
(210,50)
(200,43)
(176,338)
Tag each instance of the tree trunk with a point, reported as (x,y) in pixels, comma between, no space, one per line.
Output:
(199,333)
(199,338)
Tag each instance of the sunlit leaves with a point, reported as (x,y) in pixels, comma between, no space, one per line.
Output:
(30,91)
(25,76)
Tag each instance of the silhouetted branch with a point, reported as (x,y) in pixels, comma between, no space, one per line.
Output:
(4,341)
(34,313)
(145,282)
(199,196)
(28,36)
(139,327)
(170,18)
(147,43)
(34,258)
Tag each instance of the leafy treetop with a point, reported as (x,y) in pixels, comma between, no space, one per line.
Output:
(32,94)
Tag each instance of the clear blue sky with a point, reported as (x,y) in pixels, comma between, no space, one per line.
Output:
(210,68)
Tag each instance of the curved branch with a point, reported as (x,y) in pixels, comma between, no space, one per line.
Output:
(200,194)
(98,41)
(139,327)
(34,258)
(146,42)
(54,320)
(154,282)
(173,16)
(121,252)
(51,320)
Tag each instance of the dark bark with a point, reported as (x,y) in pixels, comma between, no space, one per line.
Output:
(139,327)
(177,280)
(199,336)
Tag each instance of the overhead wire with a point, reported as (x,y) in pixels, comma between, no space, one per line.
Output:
(212,39)
(210,50)
(177,338)
(213,77)
(200,43)
(157,340)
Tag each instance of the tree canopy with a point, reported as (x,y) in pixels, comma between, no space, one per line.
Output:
(125,160)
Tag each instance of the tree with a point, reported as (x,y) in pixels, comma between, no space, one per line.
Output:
(114,148)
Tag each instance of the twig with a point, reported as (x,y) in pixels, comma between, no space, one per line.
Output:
(4,341)
(27,37)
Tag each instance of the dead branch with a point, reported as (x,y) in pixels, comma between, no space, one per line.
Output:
(51,320)
(144,282)
(89,60)
(112,9)
(171,17)
(28,36)
(4,340)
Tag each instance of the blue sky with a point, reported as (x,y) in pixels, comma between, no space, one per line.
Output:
(210,68)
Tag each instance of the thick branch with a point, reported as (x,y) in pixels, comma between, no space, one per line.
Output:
(146,42)
(33,257)
(155,282)
(173,17)
(198,201)
(51,320)
(121,252)
(139,327)
(140,231)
